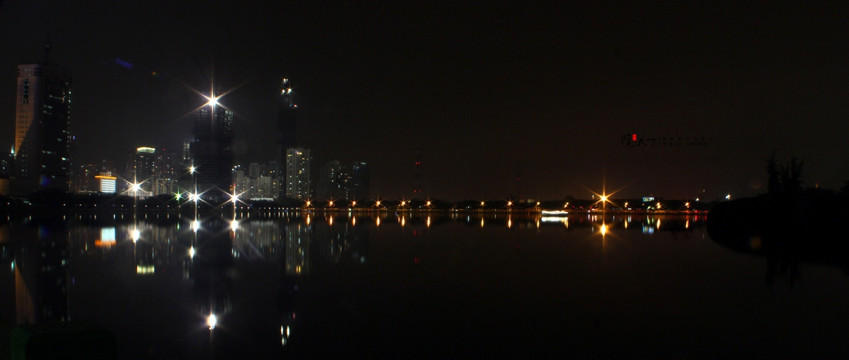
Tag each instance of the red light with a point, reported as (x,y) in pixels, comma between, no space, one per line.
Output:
(633,137)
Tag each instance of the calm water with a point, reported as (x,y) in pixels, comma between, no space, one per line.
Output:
(408,286)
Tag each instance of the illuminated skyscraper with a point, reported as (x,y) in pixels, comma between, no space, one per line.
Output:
(42,128)
(166,171)
(298,173)
(212,147)
(141,166)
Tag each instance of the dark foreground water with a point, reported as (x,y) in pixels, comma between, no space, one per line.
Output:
(418,286)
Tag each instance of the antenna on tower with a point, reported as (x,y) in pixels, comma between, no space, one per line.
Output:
(418,188)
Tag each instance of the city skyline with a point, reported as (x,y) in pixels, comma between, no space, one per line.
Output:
(549,93)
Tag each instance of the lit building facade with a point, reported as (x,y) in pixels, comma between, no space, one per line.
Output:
(166,172)
(333,182)
(212,147)
(259,183)
(42,151)
(140,168)
(84,179)
(298,173)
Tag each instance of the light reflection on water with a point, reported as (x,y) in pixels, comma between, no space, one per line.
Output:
(410,285)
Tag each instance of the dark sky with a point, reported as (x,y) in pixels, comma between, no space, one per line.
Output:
(483,90)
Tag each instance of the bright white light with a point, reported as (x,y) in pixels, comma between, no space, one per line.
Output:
(211,321)
(728,197)
(135,235)
(192,169)
(195,225)
(603,229)
(135,187)
(234,197)
(212,100)
(192,252)
(234,225)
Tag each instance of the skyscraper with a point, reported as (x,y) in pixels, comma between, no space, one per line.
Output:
(298,173)
(287,117)
(166,171)
(333,181)
(360,180)
(286,126)
(212,147)
(140,168)
(42,149)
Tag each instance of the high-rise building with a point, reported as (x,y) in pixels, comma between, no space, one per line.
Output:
(286,125)
(287,117)
(42,152)
(418,188)
(334,180)
(212,147)
(186,153)
(140,168)
(255,169)
(360,180)
(84,179)
(298,173)
(243,184)
(166,172)
(259,183)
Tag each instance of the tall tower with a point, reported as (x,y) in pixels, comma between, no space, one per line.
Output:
(418,188)
(212,147)
(42,149)
(140,168)
(298,173)
(286,125)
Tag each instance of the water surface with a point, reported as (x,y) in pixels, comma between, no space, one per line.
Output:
(420,285)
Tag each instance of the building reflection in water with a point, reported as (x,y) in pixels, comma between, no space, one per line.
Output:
(40,274)
(294,254)
(211,270)
(297,236)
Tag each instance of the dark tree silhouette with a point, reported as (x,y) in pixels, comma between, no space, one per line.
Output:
(784,179)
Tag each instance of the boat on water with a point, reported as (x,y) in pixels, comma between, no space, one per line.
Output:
(554,213)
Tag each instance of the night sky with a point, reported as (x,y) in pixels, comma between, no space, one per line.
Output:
(484,91)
